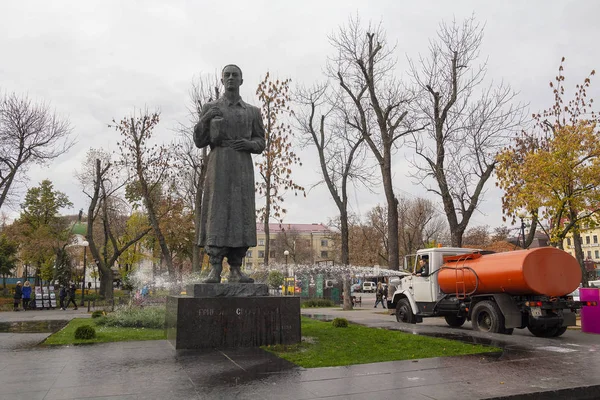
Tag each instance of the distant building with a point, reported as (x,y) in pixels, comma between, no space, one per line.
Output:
(306,244)
(540,240)
(589,245)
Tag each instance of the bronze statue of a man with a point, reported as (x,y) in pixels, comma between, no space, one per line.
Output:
(233,130)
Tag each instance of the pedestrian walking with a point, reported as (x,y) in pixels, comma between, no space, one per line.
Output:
(379,296)
(62,294)
(17,296)
(72,290)
(26,295)
(385,295)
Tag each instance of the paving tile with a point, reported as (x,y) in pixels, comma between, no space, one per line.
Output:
(22,395)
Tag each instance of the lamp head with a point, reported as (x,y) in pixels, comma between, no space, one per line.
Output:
(286,253)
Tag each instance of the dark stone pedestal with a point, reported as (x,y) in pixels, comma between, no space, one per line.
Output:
(227,290)
(231,321)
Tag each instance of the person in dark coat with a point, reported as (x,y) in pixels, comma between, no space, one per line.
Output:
(234,130)
(17,296)
(26,295)
(72,290)
(62,294)
(379,296)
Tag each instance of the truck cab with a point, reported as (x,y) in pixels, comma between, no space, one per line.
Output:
(416,296)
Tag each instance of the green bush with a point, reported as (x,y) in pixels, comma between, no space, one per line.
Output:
(275,279)
(97,314)
(92,297)
(85,332)
(146,317)
(340,322)
(318,303)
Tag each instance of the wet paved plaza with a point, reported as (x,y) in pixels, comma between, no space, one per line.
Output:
(562,368)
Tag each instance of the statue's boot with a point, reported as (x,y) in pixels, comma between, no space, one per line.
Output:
(236,275)
(214,276)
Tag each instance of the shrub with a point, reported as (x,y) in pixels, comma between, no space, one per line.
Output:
(134,317)
(85,332)
(275,279)
(318,303)
(340,322)
(97,314)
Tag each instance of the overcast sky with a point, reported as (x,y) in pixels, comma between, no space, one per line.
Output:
(97,60)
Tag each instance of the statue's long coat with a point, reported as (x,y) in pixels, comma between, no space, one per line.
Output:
(228,215)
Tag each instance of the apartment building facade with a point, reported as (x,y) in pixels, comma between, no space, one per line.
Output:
(590,244)
(305,244)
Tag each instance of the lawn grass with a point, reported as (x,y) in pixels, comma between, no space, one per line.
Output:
(103,334)
(323,345)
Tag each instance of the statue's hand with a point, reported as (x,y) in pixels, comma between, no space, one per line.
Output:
(241,145)
(211,113)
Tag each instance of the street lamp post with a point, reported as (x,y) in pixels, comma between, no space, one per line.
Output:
(286,253)
(85,244)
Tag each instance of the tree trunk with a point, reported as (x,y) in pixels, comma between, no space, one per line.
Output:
(266,223)
(392,215)
(580,257)
(347,294)
(106,284)
(456,236)
(345,256)
(531,234)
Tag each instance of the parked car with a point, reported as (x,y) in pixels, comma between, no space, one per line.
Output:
(575,294)
(595,284)
(369,287)
(357,287)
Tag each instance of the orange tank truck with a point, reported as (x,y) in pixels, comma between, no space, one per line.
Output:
(497,292)
(544,271)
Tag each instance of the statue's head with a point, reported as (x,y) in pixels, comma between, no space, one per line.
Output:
(231,77)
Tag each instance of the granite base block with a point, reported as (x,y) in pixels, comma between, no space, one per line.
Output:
(227,289)
(232,322)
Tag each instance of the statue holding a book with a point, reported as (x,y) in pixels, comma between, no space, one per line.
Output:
(234,130)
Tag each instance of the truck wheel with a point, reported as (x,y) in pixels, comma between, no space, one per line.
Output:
(455,321)
(404,312)
(541,331)
(486,317)
(560,331)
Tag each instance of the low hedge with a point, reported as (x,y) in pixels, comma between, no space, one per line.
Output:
(134,317)
(317,303)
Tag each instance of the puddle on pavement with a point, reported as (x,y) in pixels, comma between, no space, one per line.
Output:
(32,326)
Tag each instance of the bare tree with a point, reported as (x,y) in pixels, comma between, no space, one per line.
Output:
(276,162)
(363,65)
(477,236)
(106,221)
(150,166)
(300,249)
(468,122)
(419,224)
(30,133)
(342,158)
(191,176)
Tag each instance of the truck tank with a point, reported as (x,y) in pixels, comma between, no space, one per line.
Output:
(542,271)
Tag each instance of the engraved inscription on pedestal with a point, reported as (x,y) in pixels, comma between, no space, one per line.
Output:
(229,322)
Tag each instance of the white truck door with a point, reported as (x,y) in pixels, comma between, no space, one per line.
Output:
(422,289)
